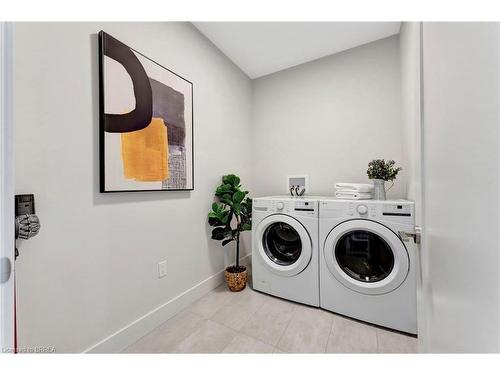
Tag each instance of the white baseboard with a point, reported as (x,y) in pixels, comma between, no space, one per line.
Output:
(129,334)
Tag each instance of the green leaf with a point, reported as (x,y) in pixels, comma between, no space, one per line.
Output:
(215,222)
(216,207)
(231,179)
(224,217)
(238,196)
(221,233)
(227,199)
(218,234)
(224,189)
(246,226)
(248,204)
(246,208)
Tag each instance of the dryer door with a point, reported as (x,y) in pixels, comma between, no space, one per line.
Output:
(283,244)
(366,257)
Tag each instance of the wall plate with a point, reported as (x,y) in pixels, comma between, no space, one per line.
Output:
(162,269)
(297,179)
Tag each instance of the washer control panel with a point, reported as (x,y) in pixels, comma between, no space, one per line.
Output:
(305,206)
(288,206)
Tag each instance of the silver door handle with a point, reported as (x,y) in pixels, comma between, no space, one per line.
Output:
(5,270)
(416,235)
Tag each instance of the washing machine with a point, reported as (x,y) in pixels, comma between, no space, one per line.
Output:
(368,261)
(285,248)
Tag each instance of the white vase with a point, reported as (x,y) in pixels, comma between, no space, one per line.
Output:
(379,189)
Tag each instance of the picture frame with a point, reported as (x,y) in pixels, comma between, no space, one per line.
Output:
(146,125)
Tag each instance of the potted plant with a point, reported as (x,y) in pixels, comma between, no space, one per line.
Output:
(231,214)
(381,171)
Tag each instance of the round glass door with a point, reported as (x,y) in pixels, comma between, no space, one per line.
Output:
(282,243)
(364,256)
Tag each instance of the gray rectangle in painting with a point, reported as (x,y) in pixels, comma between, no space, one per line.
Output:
(177,170)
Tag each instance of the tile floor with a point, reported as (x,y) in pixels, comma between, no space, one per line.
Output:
(253,322)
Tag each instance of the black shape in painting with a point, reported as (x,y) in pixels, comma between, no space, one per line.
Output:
(140,117)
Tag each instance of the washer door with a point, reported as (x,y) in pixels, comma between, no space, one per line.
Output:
(366,257)
(283,244)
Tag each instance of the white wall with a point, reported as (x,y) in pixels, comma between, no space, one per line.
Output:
(328,119)
(461,142)
(93,268)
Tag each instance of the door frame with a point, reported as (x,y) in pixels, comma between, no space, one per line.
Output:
(7,242)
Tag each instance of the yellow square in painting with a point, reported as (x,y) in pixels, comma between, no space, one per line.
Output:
(145,152)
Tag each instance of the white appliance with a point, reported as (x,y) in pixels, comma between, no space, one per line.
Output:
(285,248)
(368,264)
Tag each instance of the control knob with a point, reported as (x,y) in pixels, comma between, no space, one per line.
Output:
(362,209)
(280,205)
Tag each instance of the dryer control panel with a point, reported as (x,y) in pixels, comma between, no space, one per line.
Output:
(396,209)
(391,211)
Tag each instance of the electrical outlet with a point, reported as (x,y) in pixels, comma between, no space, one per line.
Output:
(162,269)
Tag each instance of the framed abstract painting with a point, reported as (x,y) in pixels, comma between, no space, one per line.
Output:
(146,122)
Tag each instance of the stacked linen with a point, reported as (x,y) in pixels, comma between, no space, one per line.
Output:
(347,190)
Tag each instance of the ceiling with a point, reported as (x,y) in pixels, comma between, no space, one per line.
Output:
(261,48)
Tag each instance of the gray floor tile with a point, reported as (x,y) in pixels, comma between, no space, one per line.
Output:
(270,321)
(210,337)
(393,342)
(246,344)
(307,332)
(164,338)
(208,305)
(240,309)
(349,336)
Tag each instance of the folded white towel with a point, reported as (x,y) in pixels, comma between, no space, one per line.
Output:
(360,188)
(343,194)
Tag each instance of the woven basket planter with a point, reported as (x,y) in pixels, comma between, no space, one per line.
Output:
(236,281)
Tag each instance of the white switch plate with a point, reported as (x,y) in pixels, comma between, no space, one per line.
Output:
(162,269)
